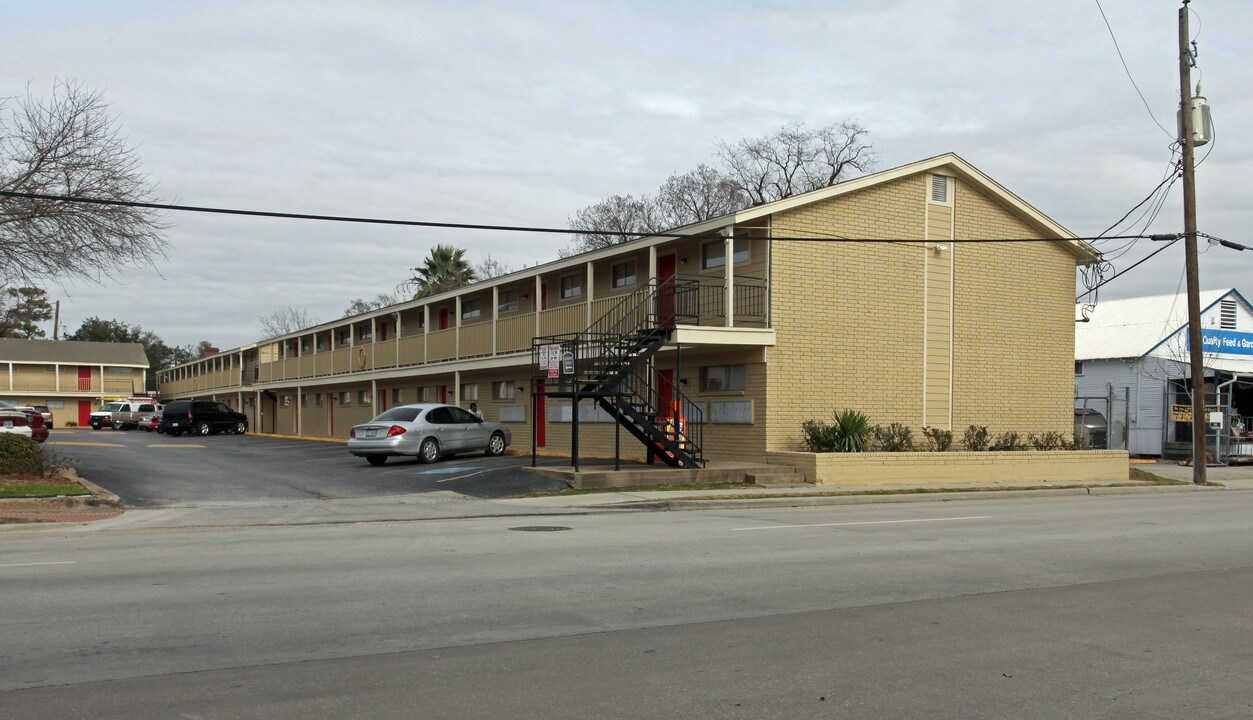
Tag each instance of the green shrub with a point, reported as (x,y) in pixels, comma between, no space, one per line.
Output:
(938,439)
(893,437)
(976,438)
(71,423)
(852,431)
(1051,440)
(19,455)
(819,436)
(1008,441)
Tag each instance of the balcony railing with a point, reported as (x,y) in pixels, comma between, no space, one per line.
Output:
(512,334)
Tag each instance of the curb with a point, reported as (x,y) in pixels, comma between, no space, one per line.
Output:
(98,499)
(938,496)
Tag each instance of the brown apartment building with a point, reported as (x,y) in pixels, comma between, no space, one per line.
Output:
(72,378)
(763,319)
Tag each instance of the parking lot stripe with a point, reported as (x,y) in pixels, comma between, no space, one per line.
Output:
(85,444)
(62,562)
(173,445)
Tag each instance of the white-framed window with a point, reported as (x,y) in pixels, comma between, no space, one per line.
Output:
(317,399)
(571,287)
(469,391)
(345,336)
(717,378)
(471,310)
(396,397)
(624,274)
(424,394)
(119,371)
(364,397)
(364,333)
(713,254)
(304,400)
(508,301)
(345,399)
(320,344)
(502,390)
(50,368)
(1078,367)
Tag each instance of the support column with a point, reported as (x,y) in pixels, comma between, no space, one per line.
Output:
(539,286)
(456,388)
(495,314)
(457,332)
(591,276)
(728,234)
(652,263)
(300,410)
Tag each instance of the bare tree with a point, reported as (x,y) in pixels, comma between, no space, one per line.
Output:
(489,267)
(796,159)
(696,196)
(285,320)
(69,146)
(616,219)
(361,305)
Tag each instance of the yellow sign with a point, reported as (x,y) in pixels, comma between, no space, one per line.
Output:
(1183,413)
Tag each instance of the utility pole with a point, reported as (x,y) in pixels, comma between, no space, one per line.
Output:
(56,323)
(1196,354)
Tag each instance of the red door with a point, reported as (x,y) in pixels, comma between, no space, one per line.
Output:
(443,318)
(443,394)
(383,398)
(84,378)
(383,332)
(665,290)
(84,408)
(541,416)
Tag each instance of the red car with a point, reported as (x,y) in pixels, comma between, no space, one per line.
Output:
(38,427)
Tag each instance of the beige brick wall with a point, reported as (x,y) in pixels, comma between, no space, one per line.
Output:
(848,316)
(854,469)
(1014,329)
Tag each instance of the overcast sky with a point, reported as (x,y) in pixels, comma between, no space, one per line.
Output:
(522,113)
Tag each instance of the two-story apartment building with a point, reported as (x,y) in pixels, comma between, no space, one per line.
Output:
(72,378)
(907,294)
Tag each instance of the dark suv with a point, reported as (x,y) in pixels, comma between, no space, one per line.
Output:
(201,417)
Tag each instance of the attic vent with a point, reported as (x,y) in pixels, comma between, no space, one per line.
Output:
(1227,314)
(939,188)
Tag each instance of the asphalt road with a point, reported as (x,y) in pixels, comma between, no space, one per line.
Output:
(1083,607)
(150,470)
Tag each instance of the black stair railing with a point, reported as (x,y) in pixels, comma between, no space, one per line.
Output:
(610,361)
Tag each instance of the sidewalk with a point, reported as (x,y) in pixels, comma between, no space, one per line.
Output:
(447,505)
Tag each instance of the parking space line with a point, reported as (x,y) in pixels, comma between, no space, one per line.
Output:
(864,522)
(174,445)
(35,564)
(84,444)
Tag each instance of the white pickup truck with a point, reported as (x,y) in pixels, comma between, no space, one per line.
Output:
(123,414)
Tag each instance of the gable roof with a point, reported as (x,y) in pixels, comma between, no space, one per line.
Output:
(72,352)
(1134,327)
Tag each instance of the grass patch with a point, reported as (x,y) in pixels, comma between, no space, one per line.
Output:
(1148,477)
(19,521)
(39,490)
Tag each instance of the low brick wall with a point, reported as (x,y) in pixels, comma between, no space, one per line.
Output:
(935,468)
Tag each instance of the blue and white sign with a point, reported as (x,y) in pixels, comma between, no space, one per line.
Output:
(1227,342)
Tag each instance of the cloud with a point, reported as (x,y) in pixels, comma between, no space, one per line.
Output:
(504,113)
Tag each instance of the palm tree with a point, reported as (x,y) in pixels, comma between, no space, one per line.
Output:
(446,268)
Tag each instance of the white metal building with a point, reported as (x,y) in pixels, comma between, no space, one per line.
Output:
(1135,353)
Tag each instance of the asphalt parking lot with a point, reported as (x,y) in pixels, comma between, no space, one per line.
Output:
(151,470)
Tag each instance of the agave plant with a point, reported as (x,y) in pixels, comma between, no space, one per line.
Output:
(852,430)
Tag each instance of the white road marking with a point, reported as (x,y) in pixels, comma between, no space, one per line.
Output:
(462,477)
(866,522)
(62,562)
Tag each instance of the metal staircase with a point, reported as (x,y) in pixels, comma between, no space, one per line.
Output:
(611,363)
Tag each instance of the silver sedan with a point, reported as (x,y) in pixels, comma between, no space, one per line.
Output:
(427,431)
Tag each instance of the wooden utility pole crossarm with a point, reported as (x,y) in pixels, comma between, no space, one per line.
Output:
(1196,356)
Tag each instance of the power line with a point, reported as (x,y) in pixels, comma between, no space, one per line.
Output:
(506,228)
(1110,279)
(1128,70)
